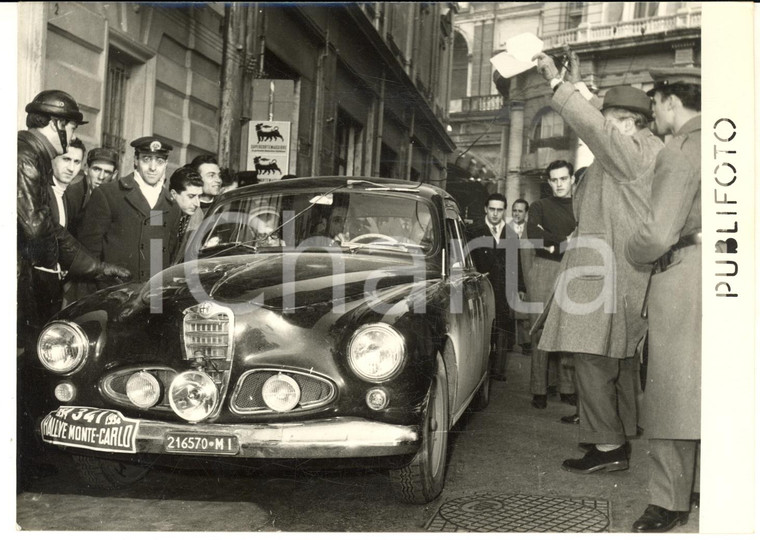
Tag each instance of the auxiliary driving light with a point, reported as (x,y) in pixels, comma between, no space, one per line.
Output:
(281,393)
(193,395)
(62,347)
(65,392)
(143,389)
(377,399)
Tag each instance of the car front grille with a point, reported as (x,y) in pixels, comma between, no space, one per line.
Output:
(207,337)
(316,391)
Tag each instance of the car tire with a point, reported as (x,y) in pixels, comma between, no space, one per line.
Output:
(483,396)
(422,479)
(108,474)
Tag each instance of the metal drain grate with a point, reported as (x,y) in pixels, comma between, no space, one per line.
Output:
(502,512)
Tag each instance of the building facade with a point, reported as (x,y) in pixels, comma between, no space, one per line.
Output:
(513,130)
(359,88)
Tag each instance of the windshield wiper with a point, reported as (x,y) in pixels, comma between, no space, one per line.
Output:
(353,247)
(228,246)
(380,187)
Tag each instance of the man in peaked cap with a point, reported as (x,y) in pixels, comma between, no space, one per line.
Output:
(132,221)
(100,168)
(596,309)
(671,238)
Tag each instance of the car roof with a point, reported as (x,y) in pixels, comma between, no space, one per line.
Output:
(331,182)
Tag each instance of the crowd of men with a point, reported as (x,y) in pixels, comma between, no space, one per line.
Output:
(81,227)
(612,255)
(612,259)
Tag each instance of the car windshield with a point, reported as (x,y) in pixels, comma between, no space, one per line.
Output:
(349,220)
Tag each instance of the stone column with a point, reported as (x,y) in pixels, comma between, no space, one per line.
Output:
(32,34)
(514,152)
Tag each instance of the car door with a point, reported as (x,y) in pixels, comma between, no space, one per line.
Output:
(466,313)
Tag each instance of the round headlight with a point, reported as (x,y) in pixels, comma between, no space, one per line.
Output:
(193,395)
(143,389)
(62,347)
(281,393)
(376,352)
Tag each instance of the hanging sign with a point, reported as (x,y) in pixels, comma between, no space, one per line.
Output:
(268,149)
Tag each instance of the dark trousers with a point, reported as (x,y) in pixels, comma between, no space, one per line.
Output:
(606,398)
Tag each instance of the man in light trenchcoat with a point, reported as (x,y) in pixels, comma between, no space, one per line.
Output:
(596,309)
(672,236)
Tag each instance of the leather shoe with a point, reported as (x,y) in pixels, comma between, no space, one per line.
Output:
(538,401)
(572,419)
(588,446)
(570,399)
(596,460)
(657,519)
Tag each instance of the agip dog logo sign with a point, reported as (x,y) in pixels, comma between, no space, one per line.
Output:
(268,149)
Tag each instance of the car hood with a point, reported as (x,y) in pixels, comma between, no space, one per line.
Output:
(283,280)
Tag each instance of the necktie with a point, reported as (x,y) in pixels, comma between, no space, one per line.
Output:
(495,230)
(183,221)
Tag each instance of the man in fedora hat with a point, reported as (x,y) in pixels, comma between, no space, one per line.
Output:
(596,309)
(133,222)
(671,238)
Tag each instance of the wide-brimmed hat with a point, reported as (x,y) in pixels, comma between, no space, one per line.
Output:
(628,98)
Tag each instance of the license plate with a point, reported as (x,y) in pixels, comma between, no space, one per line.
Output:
(87,427)
(198,443)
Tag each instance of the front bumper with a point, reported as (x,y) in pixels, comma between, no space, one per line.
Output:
(342,437)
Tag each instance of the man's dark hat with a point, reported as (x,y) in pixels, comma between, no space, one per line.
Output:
(152,145)
(103,154)
(671,75)
(629,98)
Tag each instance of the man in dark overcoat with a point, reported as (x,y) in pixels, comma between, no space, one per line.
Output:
(494,248)
(672,239)
(133,222)
(596,310)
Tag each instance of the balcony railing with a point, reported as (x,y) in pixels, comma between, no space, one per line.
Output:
(476,104)
(623,29)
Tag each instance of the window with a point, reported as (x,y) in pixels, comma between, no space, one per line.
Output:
(115,102)
(548,131)
(645,10)
(574,14)
(550,125)
(350,149)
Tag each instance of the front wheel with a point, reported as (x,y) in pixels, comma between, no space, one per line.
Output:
(108,474)
(422,480)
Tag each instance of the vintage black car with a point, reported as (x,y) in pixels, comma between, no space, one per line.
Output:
(333,318)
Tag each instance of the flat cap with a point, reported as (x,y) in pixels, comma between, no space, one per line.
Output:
(629,98)
(103,154)
(674,74)
(152,145)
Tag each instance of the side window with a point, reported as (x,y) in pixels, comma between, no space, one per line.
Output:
(455,247)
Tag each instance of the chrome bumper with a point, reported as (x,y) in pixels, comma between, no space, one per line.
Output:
(343,437)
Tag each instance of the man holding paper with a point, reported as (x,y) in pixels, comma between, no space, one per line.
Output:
(595,311)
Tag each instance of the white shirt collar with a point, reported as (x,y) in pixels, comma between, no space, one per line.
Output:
(151,193)
(499,226)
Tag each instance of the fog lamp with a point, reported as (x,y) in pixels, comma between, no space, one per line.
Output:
(65,392)
(143,389)
(377,399)
(193,395)
(281,393)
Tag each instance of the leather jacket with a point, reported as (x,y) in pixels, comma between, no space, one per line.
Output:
(40,241)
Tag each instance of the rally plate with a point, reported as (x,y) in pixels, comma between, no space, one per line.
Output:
(201,443)
(103,430)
